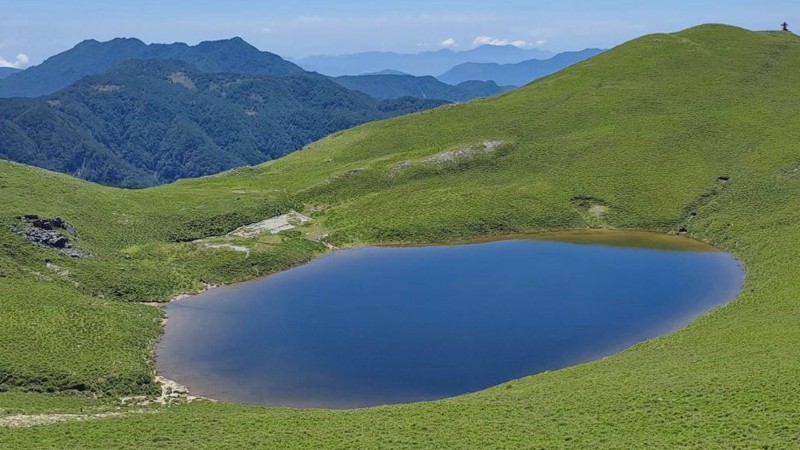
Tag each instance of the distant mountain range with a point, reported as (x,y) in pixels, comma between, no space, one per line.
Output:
(517,74)
(425,63)
(229,56)
(153,121)
(6,71)
(386,72)
(130,114)
(427,87)
(92,58)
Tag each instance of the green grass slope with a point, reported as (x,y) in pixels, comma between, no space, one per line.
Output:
(637,137)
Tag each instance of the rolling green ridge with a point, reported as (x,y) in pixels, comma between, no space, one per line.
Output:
(696,130)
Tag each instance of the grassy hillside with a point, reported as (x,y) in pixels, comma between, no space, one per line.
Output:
(696,130)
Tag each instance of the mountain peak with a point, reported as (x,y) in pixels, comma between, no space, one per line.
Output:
(91,57)
(235,41)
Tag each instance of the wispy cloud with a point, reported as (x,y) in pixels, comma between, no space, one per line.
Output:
(19,63)
(449,43)
(488,40)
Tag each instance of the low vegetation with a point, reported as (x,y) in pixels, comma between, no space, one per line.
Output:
(695,130)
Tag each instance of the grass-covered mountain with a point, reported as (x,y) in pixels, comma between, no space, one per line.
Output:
(91,57)
(148,122)
(517,74)
(419,64)
(696,130)
(6,71)
(388,86)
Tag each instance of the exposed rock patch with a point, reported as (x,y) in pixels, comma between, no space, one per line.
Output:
(400,168)
(32,420)
(598,210)
(463,153)
(172,392)
(106,87)
(595,208)
(50,233)
(182,79)
(273,225)
(451,156)
(235,248)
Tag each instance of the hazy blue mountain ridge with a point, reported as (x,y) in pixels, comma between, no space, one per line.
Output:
(517,74)
(425,63)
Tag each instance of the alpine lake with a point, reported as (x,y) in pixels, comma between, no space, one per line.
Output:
(383,325)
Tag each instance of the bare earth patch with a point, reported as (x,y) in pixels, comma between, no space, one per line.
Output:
(273,225)
(464,152)
(235,248)
(182,79)
(106,87)
(449,156)
(598,210)
(31,420)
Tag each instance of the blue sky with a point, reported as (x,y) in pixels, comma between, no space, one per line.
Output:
(32,30)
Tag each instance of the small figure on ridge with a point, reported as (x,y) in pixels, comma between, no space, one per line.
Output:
(785,26)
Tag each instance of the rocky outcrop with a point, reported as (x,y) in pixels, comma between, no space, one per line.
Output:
(50,233)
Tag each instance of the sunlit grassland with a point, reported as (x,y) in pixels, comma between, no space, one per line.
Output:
(697,130)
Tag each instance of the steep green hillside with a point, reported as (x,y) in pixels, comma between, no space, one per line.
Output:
(148,122)
(696,130)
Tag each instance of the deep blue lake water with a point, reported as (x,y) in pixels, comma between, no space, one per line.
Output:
(382,325)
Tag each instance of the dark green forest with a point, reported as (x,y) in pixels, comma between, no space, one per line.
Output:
(148,122)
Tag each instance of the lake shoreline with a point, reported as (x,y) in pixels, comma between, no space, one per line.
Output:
(601,238)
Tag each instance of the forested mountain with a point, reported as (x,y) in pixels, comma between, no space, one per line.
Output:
(153,121)
(388,86)
(91,57)
(6,71)
(425,63)
(517,74)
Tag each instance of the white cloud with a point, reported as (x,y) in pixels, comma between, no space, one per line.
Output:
(541,42)
(487,40)
(449,43)
(20,63)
